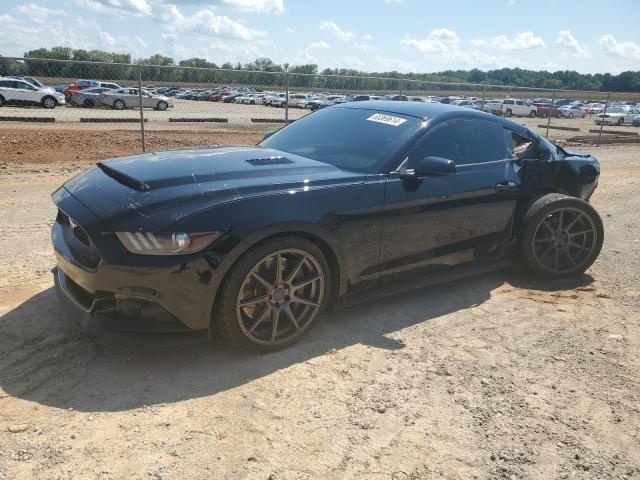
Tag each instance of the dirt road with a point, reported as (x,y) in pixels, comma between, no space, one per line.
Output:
(499,376)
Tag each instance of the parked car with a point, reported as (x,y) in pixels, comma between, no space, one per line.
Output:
(129,98)
(571,111)
(595,108)
(546,110)
(636,121)
(617,116)
(512,107)
(89,97)
(21,92)
(82,84)
(253,243)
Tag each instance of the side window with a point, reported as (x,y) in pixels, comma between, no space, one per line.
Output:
(465,142)
(519,146)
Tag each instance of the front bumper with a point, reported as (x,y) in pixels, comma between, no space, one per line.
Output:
(125,291)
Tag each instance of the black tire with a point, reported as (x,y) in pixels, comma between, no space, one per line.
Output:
(570,115)
(2,102)
(574,219)
(620,122)
(532,113)
(48,102)
(162,105)
(508,113)
(228,318)
(119,104)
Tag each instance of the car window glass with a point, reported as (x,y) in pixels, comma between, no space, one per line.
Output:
(352,139)
(464,142)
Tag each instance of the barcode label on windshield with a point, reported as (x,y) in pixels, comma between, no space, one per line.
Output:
(386,119)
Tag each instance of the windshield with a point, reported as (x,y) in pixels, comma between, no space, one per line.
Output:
(616,110)
(352,139)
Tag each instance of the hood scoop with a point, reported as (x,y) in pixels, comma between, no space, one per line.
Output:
(275,160)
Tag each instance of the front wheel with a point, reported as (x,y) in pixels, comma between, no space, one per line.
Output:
(562,236)
(49,102)
(1,100)
(162,105)
(620,121)
(119,105)
(508,113)
(532,113)
(273,295)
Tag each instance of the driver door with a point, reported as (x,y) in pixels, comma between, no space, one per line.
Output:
(441,221)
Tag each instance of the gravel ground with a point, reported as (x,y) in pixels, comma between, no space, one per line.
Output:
(498,376)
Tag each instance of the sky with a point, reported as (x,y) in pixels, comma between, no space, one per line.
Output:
(374,35)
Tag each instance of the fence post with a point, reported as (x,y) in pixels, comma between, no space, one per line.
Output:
(286,105)
(553,98)
(606,104)
(144,147)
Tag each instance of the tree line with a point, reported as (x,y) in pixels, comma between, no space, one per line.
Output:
(263,71)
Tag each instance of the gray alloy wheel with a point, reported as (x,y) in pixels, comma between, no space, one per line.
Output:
(119,105)
(508,113)
(49,102)
(280,297)
(162,105)
(562,236)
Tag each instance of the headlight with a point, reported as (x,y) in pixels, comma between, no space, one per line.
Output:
(181,243)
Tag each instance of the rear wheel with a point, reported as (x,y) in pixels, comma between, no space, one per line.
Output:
(1,101)
(162,105)
(119,105)
(49,102)
(532,113)
(562,236)
(274,294)
(620,121)
(570,115)
(508,113)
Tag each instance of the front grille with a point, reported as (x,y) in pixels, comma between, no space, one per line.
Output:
(269,161)
(78,242)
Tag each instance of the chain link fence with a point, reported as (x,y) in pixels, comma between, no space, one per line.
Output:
(109,95)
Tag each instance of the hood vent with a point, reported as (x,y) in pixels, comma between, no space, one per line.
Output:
(277,160)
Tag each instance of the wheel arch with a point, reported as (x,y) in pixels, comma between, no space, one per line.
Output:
(311,232)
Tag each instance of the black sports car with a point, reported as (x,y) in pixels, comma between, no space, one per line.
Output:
(256,241)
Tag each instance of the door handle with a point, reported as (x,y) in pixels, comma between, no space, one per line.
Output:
(506,187)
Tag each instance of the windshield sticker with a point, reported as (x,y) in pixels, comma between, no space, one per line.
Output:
(386,119)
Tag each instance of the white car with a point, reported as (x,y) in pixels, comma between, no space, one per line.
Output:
(511,107)
(617,116)
(21,92)
(571,111)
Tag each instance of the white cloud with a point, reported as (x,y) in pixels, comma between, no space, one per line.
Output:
(569,42)
(123,8)
(289,30)
(207,23)
(39,13)
(254,6)
(367,37)
(338,32)
(364,46)
(122,43)
(628,50)
(522,41)
(321,44)
(440,40)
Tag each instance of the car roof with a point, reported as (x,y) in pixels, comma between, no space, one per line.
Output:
(434,112)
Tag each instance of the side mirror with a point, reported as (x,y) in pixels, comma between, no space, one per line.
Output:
(267,134)
(431,167)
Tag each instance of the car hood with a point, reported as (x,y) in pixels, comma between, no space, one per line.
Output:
(155,190)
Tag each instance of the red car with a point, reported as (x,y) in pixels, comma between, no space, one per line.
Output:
(546,110)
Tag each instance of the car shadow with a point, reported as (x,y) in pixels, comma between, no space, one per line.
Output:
(46,358)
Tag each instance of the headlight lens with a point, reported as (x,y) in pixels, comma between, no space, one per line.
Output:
(144,243)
